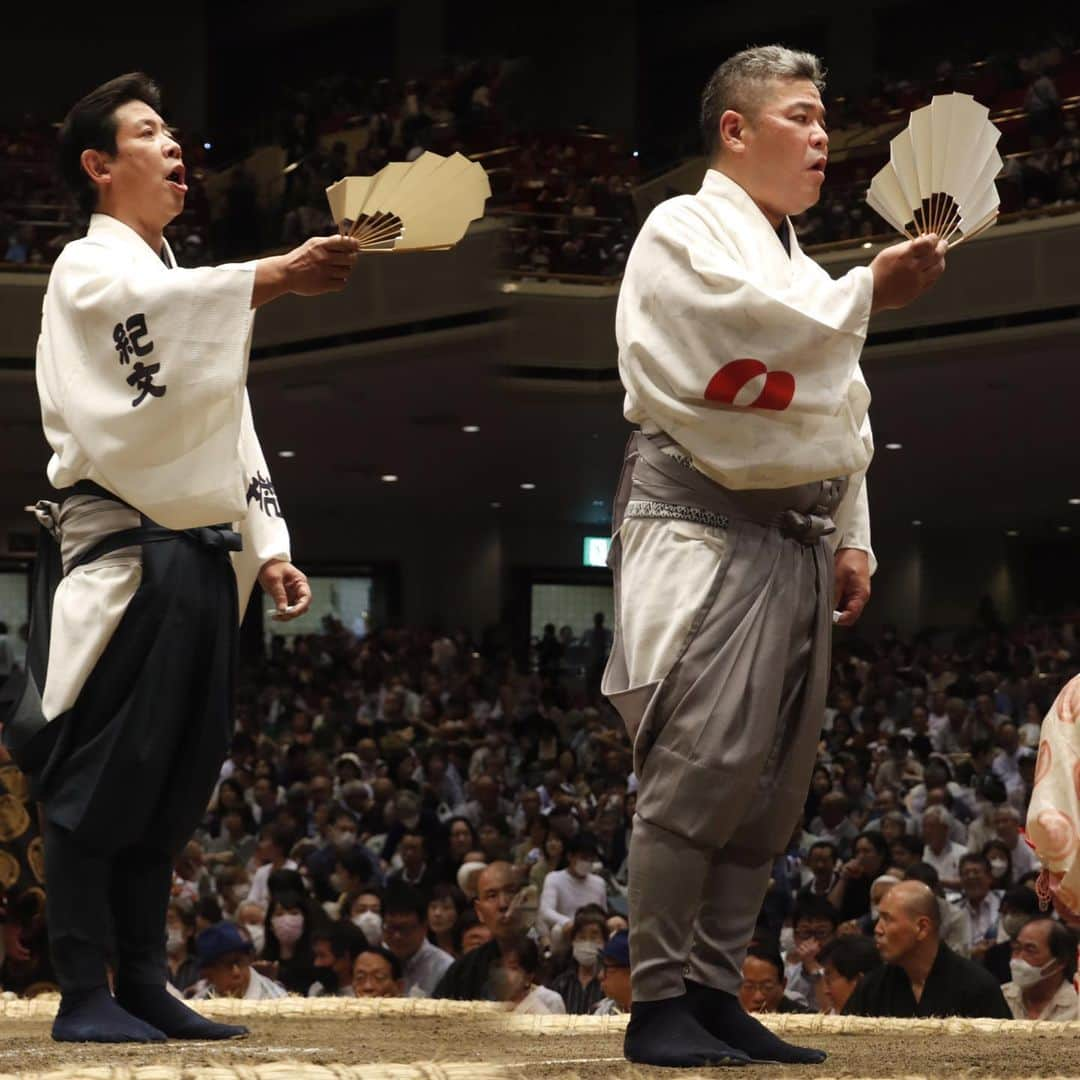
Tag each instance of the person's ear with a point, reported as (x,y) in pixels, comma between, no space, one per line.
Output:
(95,164)
(733,132)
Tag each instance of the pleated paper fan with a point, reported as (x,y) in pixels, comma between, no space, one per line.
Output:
(421,205)
(941,171)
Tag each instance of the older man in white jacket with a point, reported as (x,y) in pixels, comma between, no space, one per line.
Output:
(742,508)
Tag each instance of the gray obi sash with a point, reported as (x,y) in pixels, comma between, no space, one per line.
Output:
(655,484)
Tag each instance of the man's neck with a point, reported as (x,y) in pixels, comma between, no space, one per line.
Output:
(1037,997)
(918,966)
(153,235)
(975,904)
(774,217)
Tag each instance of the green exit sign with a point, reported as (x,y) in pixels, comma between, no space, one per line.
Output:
(596,550)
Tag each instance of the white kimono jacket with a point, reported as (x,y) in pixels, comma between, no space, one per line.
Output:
(141,372)
(747,357)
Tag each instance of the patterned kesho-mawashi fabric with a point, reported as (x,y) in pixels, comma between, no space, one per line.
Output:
(1053,822)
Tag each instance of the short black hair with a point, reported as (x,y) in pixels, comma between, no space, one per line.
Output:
(852,955)
(584,843)
(976,857)
(91,125)
(814,907)
(344,938)
(388,956)
(1022,900)
(524,948)
(1062,944)
(833,850)
(924,872)
(402,899)
(770,954)
(912,844)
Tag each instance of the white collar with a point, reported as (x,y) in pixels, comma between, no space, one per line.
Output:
(111,230)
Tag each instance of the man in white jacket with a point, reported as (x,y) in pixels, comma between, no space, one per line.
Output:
(164,517)
(741,510)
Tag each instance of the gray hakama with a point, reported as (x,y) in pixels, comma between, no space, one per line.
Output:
(724,742)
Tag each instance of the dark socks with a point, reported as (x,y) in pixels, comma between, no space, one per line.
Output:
(722,1015)
(667,1033)
(95,1016)
(157,1006)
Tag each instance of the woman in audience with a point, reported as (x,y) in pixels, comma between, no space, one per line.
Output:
(446,906)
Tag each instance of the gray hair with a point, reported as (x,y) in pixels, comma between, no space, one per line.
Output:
(739,81)
(938,814)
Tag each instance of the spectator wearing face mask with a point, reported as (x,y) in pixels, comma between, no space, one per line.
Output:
(225,959)
(179,945)
(566,891)
(377,973)
(343,847)
(845,960)
(1000,859)
(363,909)
(334,951)
(1019,906)
(1043,965)
(1007,828)
(405,931)
(292,920)
(579,986)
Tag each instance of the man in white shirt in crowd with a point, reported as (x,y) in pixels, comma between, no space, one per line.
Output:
(272,852)
(1007,826)
(1043,966)
(405,931)
(940,852)
(819,874)
(975,929)
(565,891)
(1006,764)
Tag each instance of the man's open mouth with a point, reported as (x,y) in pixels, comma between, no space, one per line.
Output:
(176,178)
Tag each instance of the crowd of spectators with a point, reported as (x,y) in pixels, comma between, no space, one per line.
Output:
(411,813)
(568,194)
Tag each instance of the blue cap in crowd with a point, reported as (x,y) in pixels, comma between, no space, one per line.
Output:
(616,953)
(219,940)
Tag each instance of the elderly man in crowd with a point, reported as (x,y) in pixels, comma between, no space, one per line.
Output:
(225,957)
(615,975)
(1043,966)
(940,852)
(763,983)
(921,976)
(975,927)
(468,979)
(377,973)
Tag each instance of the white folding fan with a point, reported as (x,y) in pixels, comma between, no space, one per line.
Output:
(421,205)
(940,176)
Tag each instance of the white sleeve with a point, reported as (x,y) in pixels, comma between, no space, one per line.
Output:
(690,306)
(853,520)
(142,377)
(263,528)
